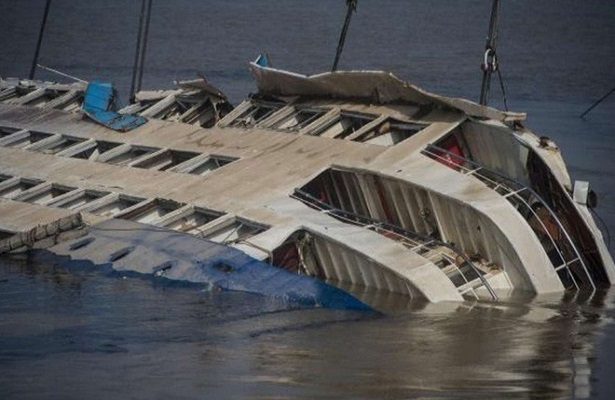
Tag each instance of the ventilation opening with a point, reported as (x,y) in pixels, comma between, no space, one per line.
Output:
(118,255)
(81,244)
(224,267)
(161,269)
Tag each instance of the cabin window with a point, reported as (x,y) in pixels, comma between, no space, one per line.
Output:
(390,132)
(344,125)
(89,150)
(126,155)
(59,144)
(298,120)
(233,231)
(45,193)
(162,161)
(191,220)
(10,189)
(114,205)
(22,139)
(204,165)
(79,199)
(5,234)
(255,113)
(5,131)
(151,211)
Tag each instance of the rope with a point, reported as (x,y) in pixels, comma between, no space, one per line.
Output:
(55,71)
(352,6)
(503,89)
(597,102)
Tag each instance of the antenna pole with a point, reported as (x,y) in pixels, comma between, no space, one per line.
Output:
(144,47)
(490,63)
(137,70)
(352,6)
(40,41)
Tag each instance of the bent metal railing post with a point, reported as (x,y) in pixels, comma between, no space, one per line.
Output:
(375,224)
(504,182)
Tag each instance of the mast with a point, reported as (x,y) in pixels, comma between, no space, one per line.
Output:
(490,63)
(39,41)
(137,70)
(352,6)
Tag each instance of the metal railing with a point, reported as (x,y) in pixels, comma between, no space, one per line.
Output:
(514,192)
(416,241)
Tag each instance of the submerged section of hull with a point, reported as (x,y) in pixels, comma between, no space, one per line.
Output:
(131,247)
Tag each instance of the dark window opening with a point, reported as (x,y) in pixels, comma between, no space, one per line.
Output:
(257,112)
(346,124)
(129,155)
(94,151)
(152,210)
(166,160)
(298,120)
(62,144)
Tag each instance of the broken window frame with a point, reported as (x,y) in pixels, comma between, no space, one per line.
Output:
(285,124)
(246,118)
(353,116)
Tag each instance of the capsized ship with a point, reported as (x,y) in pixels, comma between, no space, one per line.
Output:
(355,179)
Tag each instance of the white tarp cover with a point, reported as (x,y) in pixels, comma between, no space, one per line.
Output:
(376,86)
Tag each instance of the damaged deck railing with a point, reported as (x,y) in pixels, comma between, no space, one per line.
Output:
(512,191)
(415,239)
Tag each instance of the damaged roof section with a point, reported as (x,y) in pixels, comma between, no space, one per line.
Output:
(194,102)
(375,87)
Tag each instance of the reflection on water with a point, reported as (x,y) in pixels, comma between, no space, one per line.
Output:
(82,334)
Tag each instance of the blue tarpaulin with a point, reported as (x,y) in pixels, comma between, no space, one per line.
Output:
(99,105)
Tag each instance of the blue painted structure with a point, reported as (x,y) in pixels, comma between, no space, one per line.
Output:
(99,105)
(132,247)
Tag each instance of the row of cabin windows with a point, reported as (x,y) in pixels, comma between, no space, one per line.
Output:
(366,128)
(160,212)
(112,152)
